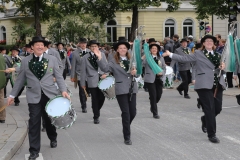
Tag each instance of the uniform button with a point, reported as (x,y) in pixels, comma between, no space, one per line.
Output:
(213,70)
(128,77)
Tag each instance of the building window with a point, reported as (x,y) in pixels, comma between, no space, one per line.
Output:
(112,31)
(169,28)
(127,32)
(187,27)
(3,33)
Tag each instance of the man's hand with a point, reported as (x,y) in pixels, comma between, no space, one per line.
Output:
(193,81)
(160,74)
(103,76)
(65,94)
(10,70)
(83,87)
(166,53)
(10,101)
(97,53)
(222,66)
(133,72)
(54,79)
(235,77)
(73,80)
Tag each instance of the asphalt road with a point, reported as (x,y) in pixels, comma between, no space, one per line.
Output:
(176,135)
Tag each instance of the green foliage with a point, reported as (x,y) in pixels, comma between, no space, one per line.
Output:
(71,28)
(206,8)
(106,9)
(21,31)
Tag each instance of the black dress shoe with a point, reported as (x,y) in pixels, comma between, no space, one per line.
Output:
(187,97)
(2,121)
(156,116)
(33,156)
(180,92)
(96,121)
(238,99)
(214,139)
(43,129)
(16,104)
(53,144)
(128,142)
(84,110)
(204,128)
(198,103)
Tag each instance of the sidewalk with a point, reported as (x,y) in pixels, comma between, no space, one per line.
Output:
(12,134)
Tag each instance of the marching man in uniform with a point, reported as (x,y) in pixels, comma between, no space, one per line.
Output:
(92,73)
(39,70)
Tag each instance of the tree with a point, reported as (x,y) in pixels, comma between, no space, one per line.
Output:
(206,8)
(44,10)
(20,32)
(106,9)
(71,28)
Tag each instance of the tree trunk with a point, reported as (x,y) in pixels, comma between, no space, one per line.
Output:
(37,19)
(134,24)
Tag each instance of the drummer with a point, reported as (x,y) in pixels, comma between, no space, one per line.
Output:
(119,66)
(154,82)
(184,68)
(91,72)
(39,69)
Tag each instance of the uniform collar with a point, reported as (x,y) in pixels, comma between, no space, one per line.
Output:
(40,57)
(123,58)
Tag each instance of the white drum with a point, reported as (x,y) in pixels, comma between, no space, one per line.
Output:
(169,70)
(107,86)
(61,112)
(168,79)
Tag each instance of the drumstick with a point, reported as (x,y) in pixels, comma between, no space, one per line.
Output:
(2,108)
(85,93)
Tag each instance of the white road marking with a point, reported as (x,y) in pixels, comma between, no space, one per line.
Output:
(76,147)
(231,107)
(39,158)
(232,139)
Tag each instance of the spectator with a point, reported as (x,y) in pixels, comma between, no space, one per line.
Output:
(175,67)
(190,43)
(168,46)
(221,45)
(219,37)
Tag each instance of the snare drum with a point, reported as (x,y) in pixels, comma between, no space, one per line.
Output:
(107,86)
(61,112)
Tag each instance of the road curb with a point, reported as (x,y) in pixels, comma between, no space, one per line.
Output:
(16,139)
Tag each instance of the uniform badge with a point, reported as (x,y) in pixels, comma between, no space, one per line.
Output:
(159,62)
(45,65)
(50,69)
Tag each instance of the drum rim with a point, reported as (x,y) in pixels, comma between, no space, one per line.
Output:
(109,86)
(52,100)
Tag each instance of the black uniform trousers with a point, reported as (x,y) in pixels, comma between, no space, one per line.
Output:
(82,96)
(16,99)
(186,80)
(97,101)
(36,111)
(155,92)
(211,107)
(128,109)
(230,79)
